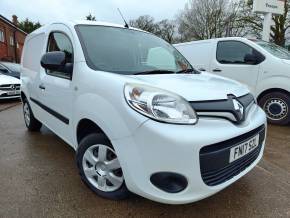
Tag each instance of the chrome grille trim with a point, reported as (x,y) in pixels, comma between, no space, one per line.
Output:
(10,87)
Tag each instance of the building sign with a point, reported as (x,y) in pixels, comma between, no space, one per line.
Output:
(269,6)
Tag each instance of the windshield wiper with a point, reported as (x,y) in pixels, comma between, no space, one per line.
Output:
(190,70)
(155,72)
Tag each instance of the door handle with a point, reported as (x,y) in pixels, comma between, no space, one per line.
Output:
(42,87)
(201,69)
(216,70)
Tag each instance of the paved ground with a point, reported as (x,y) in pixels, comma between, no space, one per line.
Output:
(6,104)
(38,178)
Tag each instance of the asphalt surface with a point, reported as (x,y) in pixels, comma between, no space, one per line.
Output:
(39,178)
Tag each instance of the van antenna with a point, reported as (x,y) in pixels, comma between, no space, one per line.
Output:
(126,24)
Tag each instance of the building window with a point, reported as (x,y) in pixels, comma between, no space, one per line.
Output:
(17,45)
(1,36)
(11,40)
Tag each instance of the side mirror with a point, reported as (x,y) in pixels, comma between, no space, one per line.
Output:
(250,59)
(56,61)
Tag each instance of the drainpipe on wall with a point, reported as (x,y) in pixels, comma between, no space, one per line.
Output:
(15,46)
(15,22)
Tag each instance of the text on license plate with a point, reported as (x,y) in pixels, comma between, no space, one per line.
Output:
(13,92)
(241,150)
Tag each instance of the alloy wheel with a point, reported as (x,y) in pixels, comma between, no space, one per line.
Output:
(102,168)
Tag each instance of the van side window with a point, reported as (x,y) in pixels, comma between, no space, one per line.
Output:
(60,42)
(233,52)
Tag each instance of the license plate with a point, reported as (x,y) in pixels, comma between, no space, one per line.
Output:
(243,149)
(13,92)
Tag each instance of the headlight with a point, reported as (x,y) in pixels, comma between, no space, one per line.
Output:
(159,104)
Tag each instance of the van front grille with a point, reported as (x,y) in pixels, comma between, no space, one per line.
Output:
(214,159)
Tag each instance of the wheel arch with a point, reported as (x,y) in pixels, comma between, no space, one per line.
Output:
(23,96)
(267,91)
(85,127)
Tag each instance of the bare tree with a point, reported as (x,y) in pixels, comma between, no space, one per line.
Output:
(254,22)
(166,29)
(145,23)
(205,19)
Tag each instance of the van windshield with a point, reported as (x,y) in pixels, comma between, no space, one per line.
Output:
(127,51)
(275,50)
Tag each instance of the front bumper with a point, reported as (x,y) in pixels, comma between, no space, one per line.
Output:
(158,147)
(5,95)
(9,97)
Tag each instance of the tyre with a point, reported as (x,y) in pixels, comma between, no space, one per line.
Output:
(276,105)
(99,167)
(31,122)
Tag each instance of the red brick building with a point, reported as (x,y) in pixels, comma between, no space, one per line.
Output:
(11,39)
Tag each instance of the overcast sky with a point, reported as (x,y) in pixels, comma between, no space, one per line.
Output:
(46,11)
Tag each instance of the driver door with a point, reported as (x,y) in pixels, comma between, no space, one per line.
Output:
(56,88)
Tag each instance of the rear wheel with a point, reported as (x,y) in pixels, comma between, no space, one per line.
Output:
(99,167)
(31,122)
(277,107)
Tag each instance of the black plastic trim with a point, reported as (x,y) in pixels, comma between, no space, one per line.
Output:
(52,112)
(225,105)
(214,159)
(169,182)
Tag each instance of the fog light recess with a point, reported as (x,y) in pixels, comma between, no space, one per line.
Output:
(169,182)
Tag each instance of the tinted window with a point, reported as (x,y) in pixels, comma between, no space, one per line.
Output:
(233,52)
(60,42)
(275,50)
(3,69)
(12,66)
(126,51)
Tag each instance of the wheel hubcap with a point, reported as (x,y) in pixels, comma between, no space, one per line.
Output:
(102,168)
(26,112)
(276,109)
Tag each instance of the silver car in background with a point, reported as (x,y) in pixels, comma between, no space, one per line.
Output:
(9,87)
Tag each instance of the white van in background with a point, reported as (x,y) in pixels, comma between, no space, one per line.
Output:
(264,67)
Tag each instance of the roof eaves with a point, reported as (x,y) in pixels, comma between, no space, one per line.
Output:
(11,24)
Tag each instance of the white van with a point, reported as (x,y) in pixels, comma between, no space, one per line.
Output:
(264,67)
(130,105)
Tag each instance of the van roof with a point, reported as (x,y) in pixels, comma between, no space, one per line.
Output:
(81,22)
(211,40)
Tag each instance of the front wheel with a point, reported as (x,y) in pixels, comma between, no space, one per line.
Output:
(277,107)
(31,122)
(99,167)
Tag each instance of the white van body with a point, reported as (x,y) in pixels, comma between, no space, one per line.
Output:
(268,79)
(159,127)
